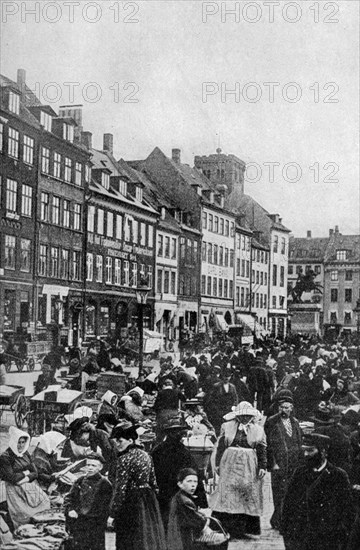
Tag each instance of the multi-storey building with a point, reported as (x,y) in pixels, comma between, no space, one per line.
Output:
(243,279)
(45,185)
(276,236)
(217,262)
(120,246)
(174,183)
(305,255)
(341,283)
(19,150)
(260,254)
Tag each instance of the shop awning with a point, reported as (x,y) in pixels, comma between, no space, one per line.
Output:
(222,323)
(246,320)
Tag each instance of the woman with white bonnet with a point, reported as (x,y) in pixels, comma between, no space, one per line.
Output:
(45,457)
(241,455)
(24,496)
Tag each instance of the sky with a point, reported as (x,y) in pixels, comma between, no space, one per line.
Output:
(274,83)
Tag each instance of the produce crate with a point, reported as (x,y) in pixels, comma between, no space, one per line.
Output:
(111,381)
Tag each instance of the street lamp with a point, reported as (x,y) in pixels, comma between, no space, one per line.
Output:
(142,292)
(357,313)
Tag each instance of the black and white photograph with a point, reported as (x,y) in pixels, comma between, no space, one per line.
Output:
(179,275)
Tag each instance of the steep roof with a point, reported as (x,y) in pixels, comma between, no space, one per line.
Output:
(350,243)
(308,249)
(257,217)
(25,113)
(104,160)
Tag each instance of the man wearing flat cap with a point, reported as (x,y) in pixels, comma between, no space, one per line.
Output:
(284,452)
(318,512)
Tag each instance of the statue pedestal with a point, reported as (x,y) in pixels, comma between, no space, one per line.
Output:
(305,318)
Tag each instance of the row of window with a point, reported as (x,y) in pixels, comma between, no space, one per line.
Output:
(334,275)
(59,263)
(187,285)
(189,251)
(17,147)
(214,286)
(279,246)
(347,317)
(217,224)
(18,198)
(52,163)
(243,242)
(260,256)
(11,245)
(281,275)
(115,271)
(60,211)
(119,227)
(334,295)
(217,255)
(281,302)
(166,281)
(259,277)
(242,298)
(166,247)
(300,269)
(243,268)
(62,167)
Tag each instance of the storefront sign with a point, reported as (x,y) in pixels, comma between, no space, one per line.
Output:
(119,249)
(10,223)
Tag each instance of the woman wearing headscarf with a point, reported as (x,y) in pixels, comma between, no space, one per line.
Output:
(241,455)
(45,457)
(24,496)
(135,509)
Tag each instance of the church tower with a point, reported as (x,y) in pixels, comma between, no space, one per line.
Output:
(223,170)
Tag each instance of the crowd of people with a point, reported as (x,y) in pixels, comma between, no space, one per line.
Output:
(290,409)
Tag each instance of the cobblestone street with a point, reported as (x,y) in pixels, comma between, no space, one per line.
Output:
(269,539)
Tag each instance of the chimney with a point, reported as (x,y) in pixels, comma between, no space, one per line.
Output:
(336,229)
(308,234)
(21,80)
(331,232)
(108,142)
(176,155)
(163,212)
(86,139)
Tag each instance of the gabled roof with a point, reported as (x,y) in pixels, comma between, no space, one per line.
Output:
(104,160)
(24,113)
(257,217)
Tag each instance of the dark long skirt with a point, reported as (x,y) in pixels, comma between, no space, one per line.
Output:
(239,525)
(138,525)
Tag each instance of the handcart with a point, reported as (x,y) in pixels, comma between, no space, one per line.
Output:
(201,448)
(26,355)
(47,405)
(12,398)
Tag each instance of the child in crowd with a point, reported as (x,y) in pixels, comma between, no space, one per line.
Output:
(185,520)
(87,507)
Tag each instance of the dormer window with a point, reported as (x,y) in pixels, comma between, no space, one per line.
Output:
(68,132)
(14,102)
(123,187)
(46,120)
(105,180)
(341,255)
(139,193)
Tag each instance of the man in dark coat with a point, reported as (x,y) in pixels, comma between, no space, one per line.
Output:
(318,512)
(220,400)
(284,449)
(169,457)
